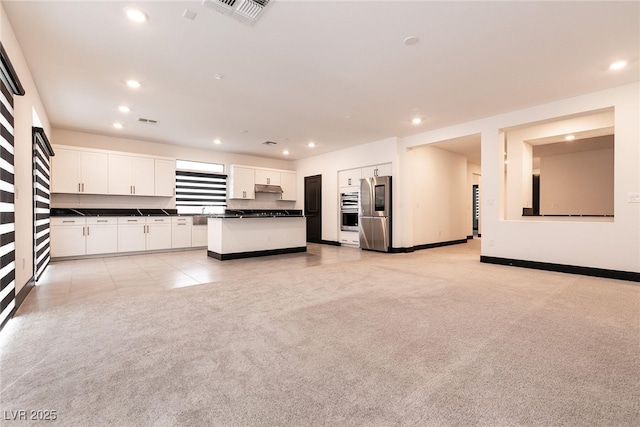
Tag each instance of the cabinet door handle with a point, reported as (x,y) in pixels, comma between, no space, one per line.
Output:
(349,181)
(134,189)
(70,221)
(88,231)
(83,187)
(79,188)
(103,220)
(83,231)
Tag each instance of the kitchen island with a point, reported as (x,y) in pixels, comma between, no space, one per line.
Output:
(240,235)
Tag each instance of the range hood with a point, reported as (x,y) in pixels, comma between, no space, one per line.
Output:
(261,188)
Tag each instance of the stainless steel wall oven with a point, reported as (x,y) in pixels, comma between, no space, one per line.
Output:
(349,211)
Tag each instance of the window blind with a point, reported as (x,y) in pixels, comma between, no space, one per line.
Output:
(196,190)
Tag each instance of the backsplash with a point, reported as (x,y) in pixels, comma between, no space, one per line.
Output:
(262,201)
(103,201)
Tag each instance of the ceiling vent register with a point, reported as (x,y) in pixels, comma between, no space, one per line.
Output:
(245,11)
(147,121)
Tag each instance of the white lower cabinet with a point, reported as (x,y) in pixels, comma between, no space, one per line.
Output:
(198,236)
(78,236)
(67,236)
(158,233)
(181,231)
(351,238)
(132,234)
(144,233)
(101,235)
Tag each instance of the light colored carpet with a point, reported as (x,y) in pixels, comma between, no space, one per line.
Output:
(430,338)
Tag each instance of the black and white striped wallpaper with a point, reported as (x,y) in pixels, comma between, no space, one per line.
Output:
(9,86)
(7,213)
(42,152)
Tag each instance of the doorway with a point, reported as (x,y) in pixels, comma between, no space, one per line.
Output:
(313,207)
(476,209)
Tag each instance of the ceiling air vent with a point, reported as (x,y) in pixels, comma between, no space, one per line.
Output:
(147,121)
(245,11)
(269,143)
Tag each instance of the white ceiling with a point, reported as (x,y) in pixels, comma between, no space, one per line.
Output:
(333,72)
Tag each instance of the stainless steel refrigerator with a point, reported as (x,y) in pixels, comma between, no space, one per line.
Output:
(374,219)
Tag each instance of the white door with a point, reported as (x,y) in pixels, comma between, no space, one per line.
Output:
(165,174)
(143,176)
(95,172)
(181,235)
(120,175)
(242,183)
(65,171)
(67,240)
(289,185)
(102,236)
(131,234)
(158,234)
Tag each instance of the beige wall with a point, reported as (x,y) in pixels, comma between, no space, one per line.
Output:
(613,244)
(24,108)
(438,180)
(577,183)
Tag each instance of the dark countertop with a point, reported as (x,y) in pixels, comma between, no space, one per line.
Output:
(260,213)
(111,212)
(229,213)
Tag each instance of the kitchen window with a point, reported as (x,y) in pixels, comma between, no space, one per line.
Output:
(200,187)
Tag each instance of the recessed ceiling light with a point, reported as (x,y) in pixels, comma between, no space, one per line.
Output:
(219,76)
(411,40)
(124,109)
(118,125)
(416,120)
(217,141)
(569,137)
(618,65)
(133,84)
(285,152)
(136,15)
(311,144)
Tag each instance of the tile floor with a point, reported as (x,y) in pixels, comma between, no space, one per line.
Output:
(72,281)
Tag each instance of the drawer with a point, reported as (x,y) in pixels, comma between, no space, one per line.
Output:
(102,220)
(67,220)
(186,220)
(156,220)
(131,220)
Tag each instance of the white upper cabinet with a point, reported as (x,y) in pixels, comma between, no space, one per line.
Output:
(133,176)
(267,177)
(289,185)
(384,169)
(87,171)
(79,172)
(165,174)
(349,178)
(242,182)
